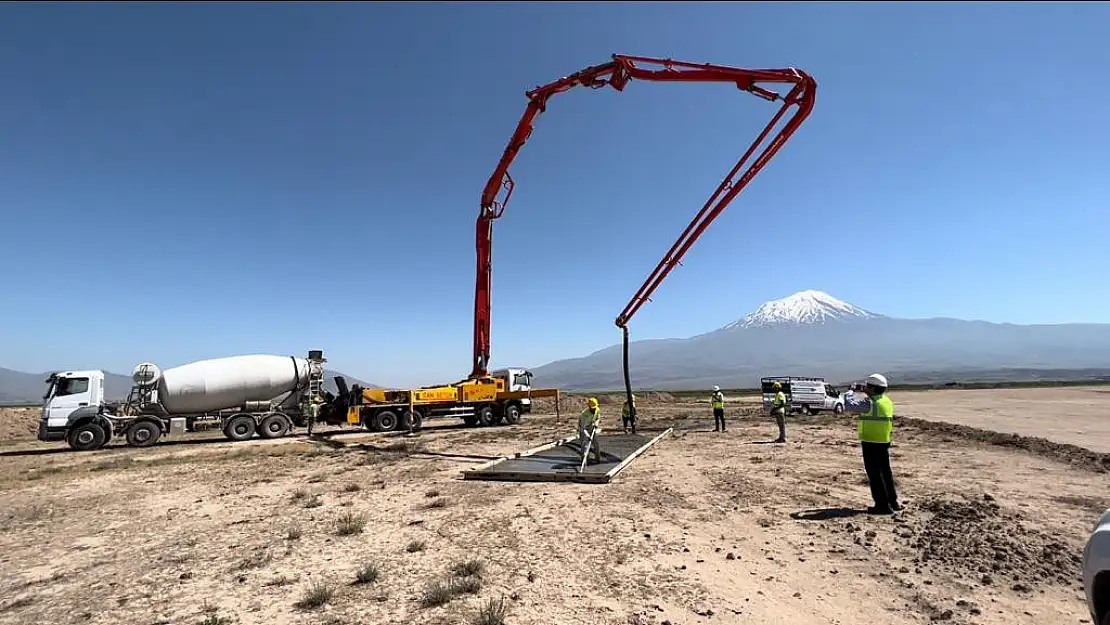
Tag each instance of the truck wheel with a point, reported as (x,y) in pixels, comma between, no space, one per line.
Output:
(87,437)
(143,434)
(512,414)
(385,421)
(485,416)
(273,426)
(838,409)
(240,428)
(415,418)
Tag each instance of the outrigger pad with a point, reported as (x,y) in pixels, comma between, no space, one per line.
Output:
(560,460)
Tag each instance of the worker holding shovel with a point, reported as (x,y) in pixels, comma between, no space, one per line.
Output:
(589,426)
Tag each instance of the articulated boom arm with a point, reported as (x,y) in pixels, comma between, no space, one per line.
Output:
(616,74)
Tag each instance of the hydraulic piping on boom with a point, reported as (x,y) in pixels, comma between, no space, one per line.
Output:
(803,90)
(616,74)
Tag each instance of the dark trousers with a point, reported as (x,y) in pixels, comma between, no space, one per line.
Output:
(876,461)
(719,419)
(629,422)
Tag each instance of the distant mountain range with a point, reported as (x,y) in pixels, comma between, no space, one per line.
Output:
(813,333)
(20,387)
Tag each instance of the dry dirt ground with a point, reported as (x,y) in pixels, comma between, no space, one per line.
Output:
(704,528)
(1080,416)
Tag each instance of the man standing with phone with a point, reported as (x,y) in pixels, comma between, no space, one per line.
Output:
(876,428)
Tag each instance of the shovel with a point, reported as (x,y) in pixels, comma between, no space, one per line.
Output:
(586,451)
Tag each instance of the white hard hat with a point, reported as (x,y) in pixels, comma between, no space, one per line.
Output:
(716,388)
(877,379)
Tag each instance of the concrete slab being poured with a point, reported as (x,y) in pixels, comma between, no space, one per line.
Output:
(561,461)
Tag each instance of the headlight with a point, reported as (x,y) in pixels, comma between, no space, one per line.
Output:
(1102,518)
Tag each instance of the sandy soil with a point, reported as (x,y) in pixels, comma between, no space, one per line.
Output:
(19,423)
(704,528)
(1077,415)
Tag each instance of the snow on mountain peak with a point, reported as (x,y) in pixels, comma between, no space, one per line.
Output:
(803,307)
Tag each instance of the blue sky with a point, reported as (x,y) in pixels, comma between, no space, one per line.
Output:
(182,182)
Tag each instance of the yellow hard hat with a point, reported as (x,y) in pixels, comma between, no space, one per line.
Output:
(592,403)
(317,399)
(776,385)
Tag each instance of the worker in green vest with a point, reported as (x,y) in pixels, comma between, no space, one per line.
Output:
(875,428)
(589,430)
(778,410)
(718,400)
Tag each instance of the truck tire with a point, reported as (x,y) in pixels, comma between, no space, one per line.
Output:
(512,414)
(87,437)
(143,434)
(385,421)
(273,426)
(240,428)
(415,418)
(838,409)
(485,416)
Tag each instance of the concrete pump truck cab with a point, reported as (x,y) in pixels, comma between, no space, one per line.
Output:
(265,395)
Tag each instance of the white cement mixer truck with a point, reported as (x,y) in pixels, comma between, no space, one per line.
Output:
(240,395)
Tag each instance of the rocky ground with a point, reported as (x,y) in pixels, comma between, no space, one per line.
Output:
(704,528)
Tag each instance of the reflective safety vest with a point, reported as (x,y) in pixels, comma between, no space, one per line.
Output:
(625,411)
(877,425)
(779,403)
(589,418)
(718,400)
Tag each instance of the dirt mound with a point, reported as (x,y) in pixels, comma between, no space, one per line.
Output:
(18,424)
(1071,454)
(976,537)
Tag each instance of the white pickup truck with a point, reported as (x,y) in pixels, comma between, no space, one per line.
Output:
(1096,570)
(805,395)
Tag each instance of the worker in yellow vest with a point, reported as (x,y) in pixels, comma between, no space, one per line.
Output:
(875,428)
(718,400)
(778,410)
(589,430)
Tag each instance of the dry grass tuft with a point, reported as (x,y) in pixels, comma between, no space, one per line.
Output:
(492,613)
(368,574)
(468,568)
(315,596)
(350,523)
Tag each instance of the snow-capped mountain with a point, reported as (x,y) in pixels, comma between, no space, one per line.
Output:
(813,333)
(803,307)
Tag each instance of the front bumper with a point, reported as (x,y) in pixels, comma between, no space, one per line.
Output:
(49,434)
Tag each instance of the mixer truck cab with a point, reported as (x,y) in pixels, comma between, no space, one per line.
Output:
(71,408)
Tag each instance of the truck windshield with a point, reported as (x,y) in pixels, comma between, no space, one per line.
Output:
(70,386)
(523,379)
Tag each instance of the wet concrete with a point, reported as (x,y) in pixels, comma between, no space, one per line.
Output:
(562,462)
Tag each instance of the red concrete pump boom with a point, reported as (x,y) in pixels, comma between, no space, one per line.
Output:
(616,74)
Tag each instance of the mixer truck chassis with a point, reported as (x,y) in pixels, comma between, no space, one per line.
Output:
(93,427)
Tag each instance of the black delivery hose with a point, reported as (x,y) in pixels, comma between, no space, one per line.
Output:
(628,384)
